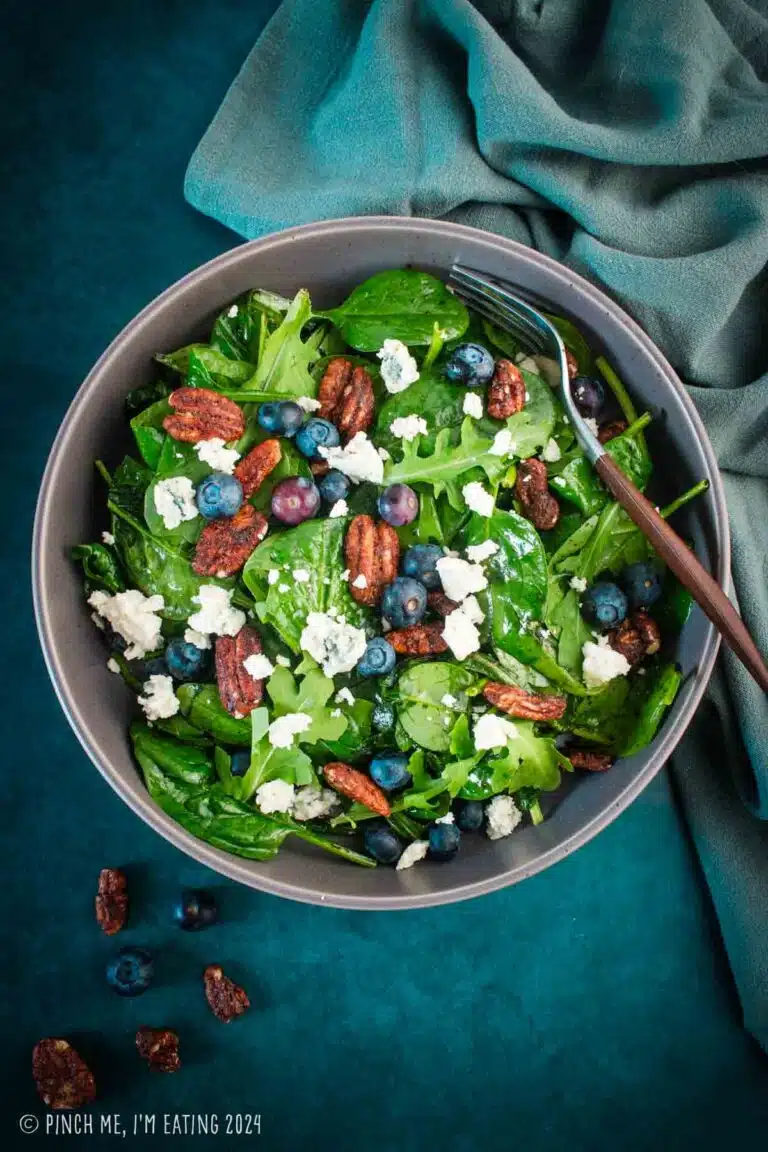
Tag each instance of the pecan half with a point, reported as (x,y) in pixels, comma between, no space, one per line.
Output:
(441,604)
(573,364)
(524,705)
(226,999)
(160,1047)
(372,550)
(346,398)
(319,467)
(111,901)
(611,430)
(419,640)
(506,392)
(649,631)
(538,504)
(588,760)
(224,545)
(238,691)
(254,468)
(637,636)
(62,1077)
(357,786)
(200,414)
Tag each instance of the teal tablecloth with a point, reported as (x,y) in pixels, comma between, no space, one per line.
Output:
(592,1007)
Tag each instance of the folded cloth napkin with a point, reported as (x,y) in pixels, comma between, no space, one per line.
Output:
(625,138)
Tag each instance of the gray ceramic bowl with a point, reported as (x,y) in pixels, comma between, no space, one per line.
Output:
(328,259)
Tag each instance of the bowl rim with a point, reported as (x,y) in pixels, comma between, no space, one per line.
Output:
(232,866)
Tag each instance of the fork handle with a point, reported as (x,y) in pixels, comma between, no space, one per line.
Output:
(678,556)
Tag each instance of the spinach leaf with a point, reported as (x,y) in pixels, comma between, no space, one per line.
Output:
(209,364)
(127,488)
(574,342)
(176,459)
(654,694)
(399,304)
(532,427)
(284,365)
(515,638)
(145,396)
(356,742)
(148,431)
(501,339)
(100,568)
(420,710)
(505,669)
(201,706)
(528,761)
(601,717)
(442,468)
(517,573)
(431,396)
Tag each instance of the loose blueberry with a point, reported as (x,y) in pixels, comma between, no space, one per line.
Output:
(291,418)
(469,815)
(398,505)
(382,844)
(471,365)
(383,718)
(390,771)
(420,562)
(195,909)
(588,395)
(642,583)
(378,659)
(315,434)
(444,841)
(268,416)
(604,605)
(240,763)
(155,666)
(219,495)
(295,500)
(404,602)
(334,486)
(130,971)
(185,661)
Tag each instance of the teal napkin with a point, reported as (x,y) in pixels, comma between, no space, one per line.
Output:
(625,139)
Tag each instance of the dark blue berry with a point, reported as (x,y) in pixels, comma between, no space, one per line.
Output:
(604,605)
(390,771)
(115,642)
(420,562)
(334,486)
(444,841)
(469,815)
(219,495)
(642,583)
(471,365)
(313,435)
(378,659)
(155,666)
(240,763)
(291,418)
(195,909)
(185,661)
(404,602)
(382,844)
(383,718)
(588,395)
(130,971)
(268,416)
(398,505)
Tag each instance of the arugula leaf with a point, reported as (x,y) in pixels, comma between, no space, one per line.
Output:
(420,711)
(356,742)
(270,763)
(426,789)
(310,696)
(532,427)
(285,362)
(100,568)
(528,761)
(201,706)
(442,468)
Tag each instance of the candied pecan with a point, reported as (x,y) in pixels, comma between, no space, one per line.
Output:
(649,631)
(371,550)
(225,998)
(239,692)
(524,705)
(319,467)
(589,760)
(357,786)
(224,545)
(538,504)
(441,604)
(160,1047)
(419,640)
(627,640)
(346,398)
(61,1076)
(506,393)
(573,364)
(200,414)
(254,468)
(111,901)
(611,430)
(335,379)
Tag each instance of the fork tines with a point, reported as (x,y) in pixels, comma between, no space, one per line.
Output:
(497,304)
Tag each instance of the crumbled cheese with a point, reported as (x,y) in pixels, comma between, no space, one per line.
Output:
(459,578)
(133,616)
(502,817)
(301,576)
(313,803)
(283,588)
(479,552)
(233,312)
(478,499)
(217,455)
(412,854)
(472,610)
(385,625)
(602,663)
(275,796)
(551,451)
(113,665)
(216,616)
(199,639)
(334,644)
(174,500)
(360,581)
(473,405)
(307,403)
(460,633)
(559,481)
(398,368)
(336,712)
(384,454)
(527,397)
(493,731)
(359,460)
(408,427)
(107,538)
(283,661)
(283,731)
(258,666)
(98,621)
(159,701)
(273,576)
(503,443)
(340,508)
(448,701)
(344,696)
(578,583)
(449,818)
(345,574)
(591,423)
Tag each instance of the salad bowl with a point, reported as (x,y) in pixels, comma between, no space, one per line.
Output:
(329,260)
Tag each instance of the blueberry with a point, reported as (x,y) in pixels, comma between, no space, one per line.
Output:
(444,841)
(398,505)
(420,562)
(604,605)
(295,500)
(642,583)
(268,416)
(469,815)
(115,642)
(185,661)
(130,971)
(383,718)
(195,909)
(291,418)
(404,602)
(316,433)
(588,395)
(382,843)
(390,771)
(240,762)
(334,486)
(155,666)
(471,365)
(219,495)
(378,659)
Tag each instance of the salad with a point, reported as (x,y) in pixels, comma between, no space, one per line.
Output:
(364,584)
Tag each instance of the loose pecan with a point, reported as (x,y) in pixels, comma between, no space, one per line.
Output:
(419,640)
(160,1047)
(225,998)
(611,430)
(588,760)
(319,467)
(573,364)
(506,393)
(649,631)
(346,398)
(441,604)
(254,468)
(524,705)
(224,545)
(62,1077)
(200,414)
(371,550)
(239,692)
(538,504)
(637,636)
(357,786)
(111,901)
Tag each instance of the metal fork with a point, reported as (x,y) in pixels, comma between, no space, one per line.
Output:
(510,310)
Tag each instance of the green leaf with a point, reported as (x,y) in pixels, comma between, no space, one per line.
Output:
(148,431)
(145,396)
(532,427)
(442,468)
(100,568)
(356,742)
(426,789)
(129,483)
(201,706)
(284,365)
(431,396)
(399,304)
(217,364)
(420,710)
(310,696)
(176,459)
(517,573)
(528,761)
(654,693)
(271,763)
(574,342)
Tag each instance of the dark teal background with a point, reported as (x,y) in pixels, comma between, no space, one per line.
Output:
(589,1008)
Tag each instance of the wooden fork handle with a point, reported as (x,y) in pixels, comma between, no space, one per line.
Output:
(678,556)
